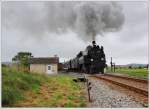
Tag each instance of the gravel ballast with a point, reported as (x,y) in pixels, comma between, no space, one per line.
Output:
(105,97)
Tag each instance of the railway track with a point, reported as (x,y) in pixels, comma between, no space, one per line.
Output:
(138,85)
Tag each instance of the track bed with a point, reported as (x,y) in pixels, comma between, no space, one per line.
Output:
(137,85)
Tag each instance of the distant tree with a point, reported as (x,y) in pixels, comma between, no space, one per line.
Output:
(22,58)
(3,65)
(130,67)
(139,67)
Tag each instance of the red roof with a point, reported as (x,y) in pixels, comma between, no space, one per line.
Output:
(43,60)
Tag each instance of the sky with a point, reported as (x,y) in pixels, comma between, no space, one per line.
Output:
(32,27)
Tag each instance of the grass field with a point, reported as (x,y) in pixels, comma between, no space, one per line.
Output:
(134,72)
(34,90)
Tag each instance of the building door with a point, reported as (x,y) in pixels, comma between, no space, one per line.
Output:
(49,69)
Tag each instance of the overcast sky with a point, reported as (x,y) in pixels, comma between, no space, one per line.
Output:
(19,19)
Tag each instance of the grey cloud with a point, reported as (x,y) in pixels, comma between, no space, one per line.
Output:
(25,27)
(86,19)
(136,24)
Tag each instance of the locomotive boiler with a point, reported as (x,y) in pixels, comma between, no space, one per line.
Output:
(91,60)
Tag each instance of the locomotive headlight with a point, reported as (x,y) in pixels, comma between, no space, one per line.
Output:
(91,59)
(102,59)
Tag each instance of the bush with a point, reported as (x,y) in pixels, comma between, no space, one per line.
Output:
(10,95)
(130,67)
(14,84)
(50,91)
(140,67)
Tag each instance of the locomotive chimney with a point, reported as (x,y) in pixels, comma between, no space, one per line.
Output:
(93,43)
(57,58)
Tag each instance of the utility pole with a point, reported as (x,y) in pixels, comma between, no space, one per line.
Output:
(111,64)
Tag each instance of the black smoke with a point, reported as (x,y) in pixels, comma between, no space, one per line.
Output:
(86,19)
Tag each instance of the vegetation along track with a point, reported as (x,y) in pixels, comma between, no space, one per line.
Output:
(138,85)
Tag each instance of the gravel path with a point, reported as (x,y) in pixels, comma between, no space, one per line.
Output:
(105,97)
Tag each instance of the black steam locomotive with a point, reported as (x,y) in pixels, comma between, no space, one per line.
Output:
(90,61)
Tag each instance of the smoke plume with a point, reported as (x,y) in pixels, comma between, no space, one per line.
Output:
(86,19)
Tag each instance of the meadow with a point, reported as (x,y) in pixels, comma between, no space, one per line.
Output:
(133,72)
(22,89)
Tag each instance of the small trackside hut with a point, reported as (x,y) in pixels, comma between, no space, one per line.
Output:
(44,65)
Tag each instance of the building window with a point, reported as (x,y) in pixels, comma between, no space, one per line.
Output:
(49,67)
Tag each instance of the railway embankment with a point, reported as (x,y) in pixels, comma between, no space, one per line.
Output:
(22,89)
(105,95)
(138,85)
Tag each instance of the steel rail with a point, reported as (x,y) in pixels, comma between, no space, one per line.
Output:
(128,86)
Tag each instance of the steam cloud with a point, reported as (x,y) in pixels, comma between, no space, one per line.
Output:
(86,19)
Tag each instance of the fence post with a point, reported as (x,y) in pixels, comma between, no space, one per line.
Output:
(88,89)
(114,67)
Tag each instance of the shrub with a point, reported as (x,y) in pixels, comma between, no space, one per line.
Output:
(14,84)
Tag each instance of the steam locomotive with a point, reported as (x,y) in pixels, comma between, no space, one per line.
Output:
(90,61)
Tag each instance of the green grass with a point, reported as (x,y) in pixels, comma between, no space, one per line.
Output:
(60,91)
(33,90)
(134,72)
(15,83)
